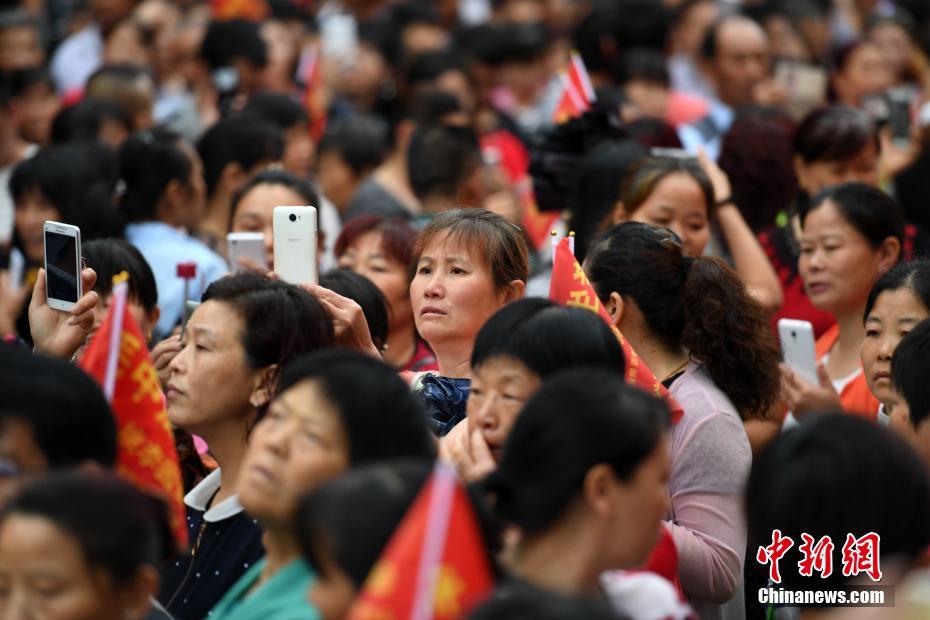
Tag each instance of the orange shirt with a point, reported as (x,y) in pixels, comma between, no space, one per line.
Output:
(856,397)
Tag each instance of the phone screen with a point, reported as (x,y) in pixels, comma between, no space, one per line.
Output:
(61,266)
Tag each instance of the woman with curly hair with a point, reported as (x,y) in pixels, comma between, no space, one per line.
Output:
(698,329)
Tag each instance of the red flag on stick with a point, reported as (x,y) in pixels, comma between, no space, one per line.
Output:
(570,287)
(119,360)
(435,566)
(577,91)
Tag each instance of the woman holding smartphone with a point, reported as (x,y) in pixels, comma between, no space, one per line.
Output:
(252,208)
(850,236)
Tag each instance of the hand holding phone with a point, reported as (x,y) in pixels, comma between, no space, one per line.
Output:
(58,333)
(295,244)
(62,265)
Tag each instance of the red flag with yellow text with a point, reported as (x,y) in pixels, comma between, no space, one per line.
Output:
(146,454)
(436,566)
(570,287)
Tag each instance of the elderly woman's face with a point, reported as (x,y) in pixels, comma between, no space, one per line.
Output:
(452,292)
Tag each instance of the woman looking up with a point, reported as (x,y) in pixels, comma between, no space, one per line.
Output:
(220,385)
(468,264)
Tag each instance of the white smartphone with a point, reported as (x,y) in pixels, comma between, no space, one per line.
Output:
(797,345)
(295,244)
(62,265)
(249,245)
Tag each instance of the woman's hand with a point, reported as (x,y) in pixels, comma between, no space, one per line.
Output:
(468,452)
(162,354)
(896,158)
(803,397)
(348,320)
(718,178)
(58,333)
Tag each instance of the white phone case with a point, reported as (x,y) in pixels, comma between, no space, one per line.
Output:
(295,244)
(250,245)
(73,276)
(797,345)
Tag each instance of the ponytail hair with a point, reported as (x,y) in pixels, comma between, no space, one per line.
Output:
(695,304)
(579,419)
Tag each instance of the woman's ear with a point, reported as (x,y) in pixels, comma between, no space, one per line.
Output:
(597,489)
(888,254)
(264,386)
(800,171)
(515,290)
(152,320)
(618,215)
(173,201)
(615,307)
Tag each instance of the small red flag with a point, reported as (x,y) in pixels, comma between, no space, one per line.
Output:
(577,91)
(146,454)
(436,566)
(570,287)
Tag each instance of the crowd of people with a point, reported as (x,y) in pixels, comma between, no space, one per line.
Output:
(716,165)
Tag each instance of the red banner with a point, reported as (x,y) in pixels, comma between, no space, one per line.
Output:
(146,454)
(570,287)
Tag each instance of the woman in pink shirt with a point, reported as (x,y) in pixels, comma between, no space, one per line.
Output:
(695,326)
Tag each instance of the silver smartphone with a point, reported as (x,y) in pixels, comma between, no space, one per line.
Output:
(248,245)
(62,265)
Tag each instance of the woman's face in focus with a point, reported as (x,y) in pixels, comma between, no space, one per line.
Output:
(210,380)
(640,504)
(676,203)
(366,256)
(837,263)
(43,574)
(298,445)
(814,177)
(31,211)
(893,316)
(452,292)
(500,387)
(256,210)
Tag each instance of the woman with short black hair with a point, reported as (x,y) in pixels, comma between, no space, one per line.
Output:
(235,345)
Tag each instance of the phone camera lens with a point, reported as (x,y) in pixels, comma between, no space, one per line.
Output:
(292,217)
